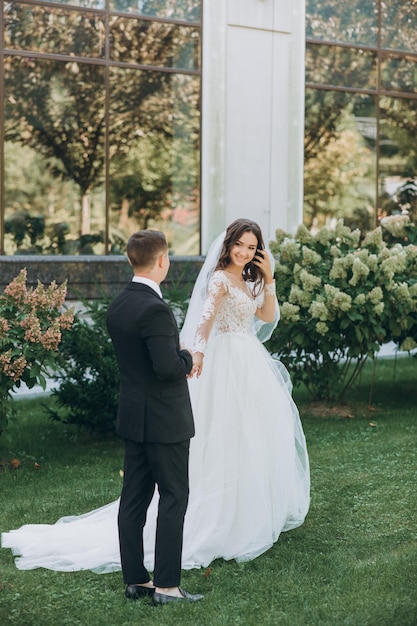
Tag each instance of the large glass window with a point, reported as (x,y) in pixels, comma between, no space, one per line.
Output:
(99,124)
(360,111)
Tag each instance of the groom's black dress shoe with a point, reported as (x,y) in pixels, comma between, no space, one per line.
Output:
(133,592)
(162,598)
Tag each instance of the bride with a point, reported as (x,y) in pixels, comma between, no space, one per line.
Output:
(249,468)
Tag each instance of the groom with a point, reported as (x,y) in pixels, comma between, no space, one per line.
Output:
(155,420)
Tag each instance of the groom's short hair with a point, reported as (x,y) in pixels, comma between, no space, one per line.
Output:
(144,247)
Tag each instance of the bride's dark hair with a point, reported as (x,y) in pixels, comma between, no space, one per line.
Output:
(234,232)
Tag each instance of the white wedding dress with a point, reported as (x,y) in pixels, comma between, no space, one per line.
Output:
(249,469)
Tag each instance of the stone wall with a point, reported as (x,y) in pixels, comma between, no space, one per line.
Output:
(89,277)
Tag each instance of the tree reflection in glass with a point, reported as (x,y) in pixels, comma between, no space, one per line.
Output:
(188,10)
(154,147)
(354,22)
(340,67)
(340,160)
(58,31)
(398,155)
(68,122)
(399,73)
(154,43)
(398,25)
(55,112)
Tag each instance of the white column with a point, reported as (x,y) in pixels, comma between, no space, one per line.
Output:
(253,114)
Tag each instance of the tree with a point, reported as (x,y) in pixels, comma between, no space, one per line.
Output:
(388,25)
(59,109)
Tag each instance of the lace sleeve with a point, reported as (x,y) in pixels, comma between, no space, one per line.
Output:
(217,291)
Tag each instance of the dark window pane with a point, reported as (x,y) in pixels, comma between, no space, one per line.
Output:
(54,131)
(155,162)
(353,22)
(399,74)
(189,10)
(45,29)
(398,156)
(340,160)
(341,67)
(398,25)
(154,43)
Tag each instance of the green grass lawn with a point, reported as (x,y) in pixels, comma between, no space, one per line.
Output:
(353,562)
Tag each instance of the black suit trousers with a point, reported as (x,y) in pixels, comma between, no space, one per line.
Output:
(147,465)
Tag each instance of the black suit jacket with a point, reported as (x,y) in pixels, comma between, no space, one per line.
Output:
(154,403)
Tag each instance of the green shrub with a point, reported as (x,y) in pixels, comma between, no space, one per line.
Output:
(88,374)
(399,229)
(177,292)
(341,298)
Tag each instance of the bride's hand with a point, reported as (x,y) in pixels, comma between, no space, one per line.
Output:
(261,260)
(197,364)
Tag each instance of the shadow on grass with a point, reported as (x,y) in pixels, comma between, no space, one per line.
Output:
(385,385)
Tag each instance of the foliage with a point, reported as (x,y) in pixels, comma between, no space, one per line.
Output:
(30,235)
(340,177)
(335,184)
(341,299)
(330,20)
(22,225)
(323,111)
(400,126)
(177,292)
(60,112)
(407,198)
(399,229)
(31,325)
(87,374)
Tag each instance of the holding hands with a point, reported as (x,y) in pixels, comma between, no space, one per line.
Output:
(197,364)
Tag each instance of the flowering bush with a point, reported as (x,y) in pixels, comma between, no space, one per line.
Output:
(399,229)
(341,298)
(31,325)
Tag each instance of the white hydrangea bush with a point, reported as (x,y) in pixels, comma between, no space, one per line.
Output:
(341,298)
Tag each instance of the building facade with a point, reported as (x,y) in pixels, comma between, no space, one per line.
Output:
(126,114)
(183,115)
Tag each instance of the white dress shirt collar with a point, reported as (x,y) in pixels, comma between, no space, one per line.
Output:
(148,281)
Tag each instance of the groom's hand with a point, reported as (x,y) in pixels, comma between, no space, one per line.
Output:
(192,372)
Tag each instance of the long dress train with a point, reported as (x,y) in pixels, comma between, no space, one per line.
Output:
(249,468)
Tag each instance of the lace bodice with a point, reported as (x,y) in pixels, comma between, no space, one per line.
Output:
(227,309)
